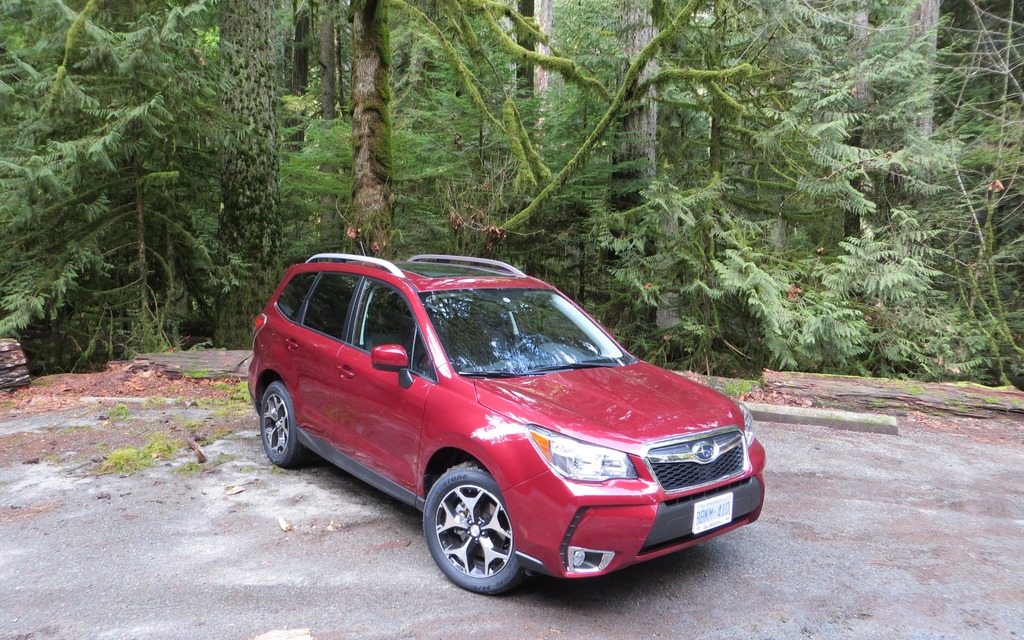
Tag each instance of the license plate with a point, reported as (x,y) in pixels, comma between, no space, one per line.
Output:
(711,513)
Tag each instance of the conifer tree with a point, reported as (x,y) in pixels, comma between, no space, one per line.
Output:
(250,219)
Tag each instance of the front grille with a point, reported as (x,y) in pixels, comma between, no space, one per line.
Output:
(676,469)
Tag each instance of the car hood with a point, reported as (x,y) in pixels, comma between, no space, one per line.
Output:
(622,407)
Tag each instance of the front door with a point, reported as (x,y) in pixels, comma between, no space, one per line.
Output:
(384,419)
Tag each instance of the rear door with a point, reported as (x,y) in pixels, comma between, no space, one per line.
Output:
(319,378)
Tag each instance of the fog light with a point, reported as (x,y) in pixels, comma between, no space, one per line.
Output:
(579,556)
(588,560)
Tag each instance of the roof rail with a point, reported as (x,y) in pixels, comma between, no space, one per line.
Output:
(348,257)
(496,264)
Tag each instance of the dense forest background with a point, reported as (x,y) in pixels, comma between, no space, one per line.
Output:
(816,185)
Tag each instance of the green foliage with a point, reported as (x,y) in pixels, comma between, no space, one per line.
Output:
(105,180)
(131,459)
(835,191)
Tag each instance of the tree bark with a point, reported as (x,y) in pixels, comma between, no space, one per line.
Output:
(870,393)
(327,58)
(13,366)
(640,124)
(637,154)
(370,226)
(924,20)
(861,99)
(544,14)
(250,221)
(525,75)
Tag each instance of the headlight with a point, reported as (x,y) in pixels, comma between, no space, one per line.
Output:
(748,424)
(578,460)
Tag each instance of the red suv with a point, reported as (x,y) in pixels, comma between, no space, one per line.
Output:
(531,441)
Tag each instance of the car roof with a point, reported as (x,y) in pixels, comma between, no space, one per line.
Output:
(432,272)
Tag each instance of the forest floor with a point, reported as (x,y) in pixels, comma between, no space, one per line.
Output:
(86,416)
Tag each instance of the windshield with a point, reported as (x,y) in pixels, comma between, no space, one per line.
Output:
(514,332)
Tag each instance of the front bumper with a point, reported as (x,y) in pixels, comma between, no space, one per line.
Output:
(571,529)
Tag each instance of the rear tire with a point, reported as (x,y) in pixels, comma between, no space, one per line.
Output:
(277,428)
(469,532)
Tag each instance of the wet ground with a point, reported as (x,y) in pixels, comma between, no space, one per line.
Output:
(917,536)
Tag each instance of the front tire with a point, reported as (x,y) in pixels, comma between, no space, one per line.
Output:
(469,532)
(277,428)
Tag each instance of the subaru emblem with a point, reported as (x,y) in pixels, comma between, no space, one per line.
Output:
(704,451)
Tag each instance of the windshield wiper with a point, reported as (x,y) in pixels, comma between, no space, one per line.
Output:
(586,364)
(491,374)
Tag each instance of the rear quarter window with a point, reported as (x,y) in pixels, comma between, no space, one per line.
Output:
(289,303)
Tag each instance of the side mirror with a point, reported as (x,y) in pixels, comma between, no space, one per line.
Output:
(389,357)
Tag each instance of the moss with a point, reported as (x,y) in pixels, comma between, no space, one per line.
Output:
(118,412)
(222,459)
(131,459)
(736,388)
(189,469)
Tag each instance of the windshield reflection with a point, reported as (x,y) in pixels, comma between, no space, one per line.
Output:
(516,332)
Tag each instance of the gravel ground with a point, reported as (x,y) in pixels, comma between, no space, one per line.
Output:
(862,536)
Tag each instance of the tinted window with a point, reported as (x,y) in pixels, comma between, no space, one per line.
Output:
(290,300)
(328,306)
(387,319)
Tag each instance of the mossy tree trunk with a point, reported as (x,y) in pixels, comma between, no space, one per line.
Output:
(370,225)
(250,218)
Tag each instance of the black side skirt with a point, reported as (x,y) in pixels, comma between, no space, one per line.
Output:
(361,471)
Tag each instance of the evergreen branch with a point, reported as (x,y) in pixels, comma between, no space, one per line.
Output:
(562,66)
(626,91)
(671,76)
(71,42)
(526,27)
(465,75)
(725,97)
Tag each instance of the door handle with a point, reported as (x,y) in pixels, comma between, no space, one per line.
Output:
(346,372)
(291,343)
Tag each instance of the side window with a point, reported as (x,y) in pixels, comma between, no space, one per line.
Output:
(328,306)
(386,319)
(289,303)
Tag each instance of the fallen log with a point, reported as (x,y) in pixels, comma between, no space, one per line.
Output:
(874,394)
(194,446)
(13,365)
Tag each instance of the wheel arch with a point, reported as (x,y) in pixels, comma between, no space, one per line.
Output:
(265,379)
(444,459)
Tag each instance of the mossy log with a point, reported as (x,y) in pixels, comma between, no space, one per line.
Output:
(957,398)
(13,366)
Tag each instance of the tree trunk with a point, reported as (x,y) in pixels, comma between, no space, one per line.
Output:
(371,126)
(873,394)
(300,51)
(250,220)
(924,20)
(525,76)
(640,124)
(544,15)
(861,99)
(298,76)
(327,58)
